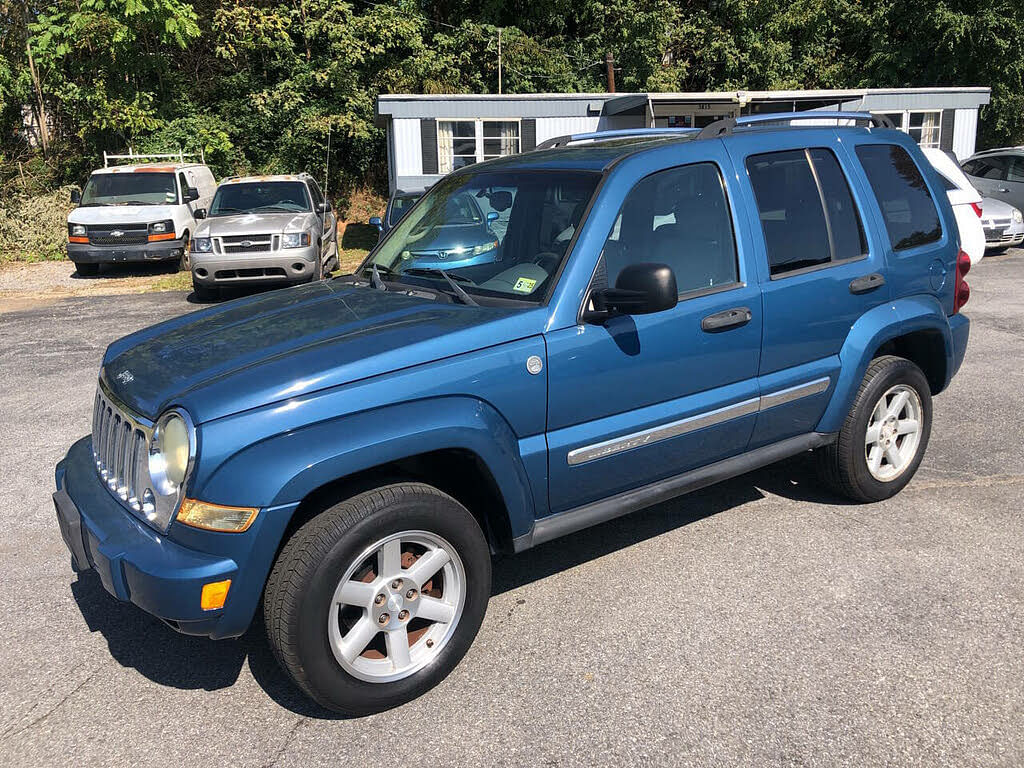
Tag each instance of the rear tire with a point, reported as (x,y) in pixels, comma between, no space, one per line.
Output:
(86,270)
(325,589)
(894,402)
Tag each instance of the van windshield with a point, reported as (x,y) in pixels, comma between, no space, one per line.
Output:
(498,233)
(131,188)
(260,197)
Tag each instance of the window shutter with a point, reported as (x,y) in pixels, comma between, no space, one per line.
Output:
(946,128)
(428,141)
(529,137)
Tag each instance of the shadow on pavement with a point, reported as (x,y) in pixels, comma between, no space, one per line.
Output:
(141,642)
(121,270)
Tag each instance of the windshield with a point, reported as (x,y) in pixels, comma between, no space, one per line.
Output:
(131,188)
(401,206)
(500,233)
(260,197)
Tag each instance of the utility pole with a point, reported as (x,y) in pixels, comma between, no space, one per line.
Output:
(499,60)
(609,65)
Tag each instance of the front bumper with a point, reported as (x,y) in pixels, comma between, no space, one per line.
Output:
(163,250)
(292,265)
(1011,237)
(163,574)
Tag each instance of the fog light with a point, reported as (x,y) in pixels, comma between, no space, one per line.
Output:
(214,594)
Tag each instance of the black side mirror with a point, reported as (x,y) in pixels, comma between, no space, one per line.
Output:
(191,194)
(324,207)
(199,213)
(641,289)
(76,196)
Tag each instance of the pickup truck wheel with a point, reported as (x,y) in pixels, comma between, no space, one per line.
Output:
(883,439)
(375,600)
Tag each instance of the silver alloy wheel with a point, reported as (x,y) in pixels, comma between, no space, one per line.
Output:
(894,433)
(383,592)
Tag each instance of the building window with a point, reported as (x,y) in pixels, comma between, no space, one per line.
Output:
(924,127)
(464,142)
(456,144)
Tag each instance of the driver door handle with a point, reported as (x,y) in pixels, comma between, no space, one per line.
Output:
(723,321)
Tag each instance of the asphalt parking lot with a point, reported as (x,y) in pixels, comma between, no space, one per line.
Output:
(759,622)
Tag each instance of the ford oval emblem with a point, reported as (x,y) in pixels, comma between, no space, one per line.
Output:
(246,243)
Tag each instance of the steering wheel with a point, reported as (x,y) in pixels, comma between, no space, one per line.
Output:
(547,261)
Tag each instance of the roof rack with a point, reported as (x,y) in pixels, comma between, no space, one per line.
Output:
(723,127)
(561,141)
(133,156)
(726,125)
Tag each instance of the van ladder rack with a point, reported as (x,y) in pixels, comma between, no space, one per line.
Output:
(179,156)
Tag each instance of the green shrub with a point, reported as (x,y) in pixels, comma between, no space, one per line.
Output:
(34,227)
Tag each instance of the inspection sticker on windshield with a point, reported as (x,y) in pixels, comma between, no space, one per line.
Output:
(524,285)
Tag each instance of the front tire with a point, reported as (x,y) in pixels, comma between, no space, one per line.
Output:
(375,600)
(883,440)
(86,270)
(185,262)
(202,292)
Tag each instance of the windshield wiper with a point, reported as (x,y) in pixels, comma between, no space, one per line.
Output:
(434,271)
(135,202)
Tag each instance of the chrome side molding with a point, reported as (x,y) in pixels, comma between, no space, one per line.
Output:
(693,423)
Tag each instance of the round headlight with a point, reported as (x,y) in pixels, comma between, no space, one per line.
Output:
(169,454)
(1018,217)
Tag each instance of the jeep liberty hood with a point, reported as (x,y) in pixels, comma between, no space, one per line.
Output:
(290,342)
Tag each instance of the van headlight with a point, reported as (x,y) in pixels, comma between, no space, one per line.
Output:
(170,454)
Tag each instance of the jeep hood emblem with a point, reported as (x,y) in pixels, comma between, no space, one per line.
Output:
(125,377)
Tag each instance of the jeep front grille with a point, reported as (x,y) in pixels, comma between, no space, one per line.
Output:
(120,444)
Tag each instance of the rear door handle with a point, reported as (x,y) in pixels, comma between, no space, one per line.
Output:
(867,283)
(723,321)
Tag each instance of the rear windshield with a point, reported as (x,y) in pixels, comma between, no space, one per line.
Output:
(260,197)
(132,188)
(907,205)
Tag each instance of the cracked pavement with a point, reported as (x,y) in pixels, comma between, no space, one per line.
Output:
(757,622)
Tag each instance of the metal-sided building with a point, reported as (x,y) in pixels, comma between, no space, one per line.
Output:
(431,135)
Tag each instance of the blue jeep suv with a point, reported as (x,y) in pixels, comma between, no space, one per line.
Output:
(670,309)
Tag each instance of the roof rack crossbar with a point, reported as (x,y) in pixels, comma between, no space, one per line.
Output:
(180,156)
(561,141)
(726,125)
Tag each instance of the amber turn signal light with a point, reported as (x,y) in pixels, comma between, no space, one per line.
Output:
(214,594)
(216,517)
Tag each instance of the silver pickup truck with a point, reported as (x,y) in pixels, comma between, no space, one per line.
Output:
(263,229)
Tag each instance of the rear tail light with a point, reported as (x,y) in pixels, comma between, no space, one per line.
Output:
(962,289)
(977,208)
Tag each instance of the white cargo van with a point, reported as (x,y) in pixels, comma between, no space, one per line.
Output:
(141,211)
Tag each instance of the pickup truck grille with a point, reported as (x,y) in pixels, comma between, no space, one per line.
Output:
(119,448)
(130,234)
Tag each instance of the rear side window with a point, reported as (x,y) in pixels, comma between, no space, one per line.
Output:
(907,206)
(807,212)
(993,167)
